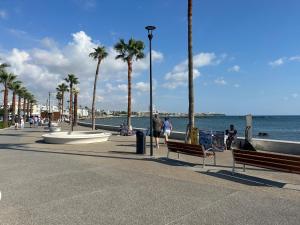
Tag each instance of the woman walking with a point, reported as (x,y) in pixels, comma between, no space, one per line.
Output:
(167,129)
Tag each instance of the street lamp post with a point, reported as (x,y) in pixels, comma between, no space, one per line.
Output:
(49,112)
(150,36)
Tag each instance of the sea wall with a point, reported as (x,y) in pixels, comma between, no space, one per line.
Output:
(287,147)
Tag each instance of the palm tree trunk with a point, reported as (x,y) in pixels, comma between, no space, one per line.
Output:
(71,106)
(94,96)
(71,102)
(62,104)
(19,105)
(129,62)
(24,105)
(5,119)
(75,109)
(13,107)
(31,108)
(190,65)
(27,108)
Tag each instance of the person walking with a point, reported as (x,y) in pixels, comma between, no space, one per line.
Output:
(167,129)
(156,129)
(22,122)
(16,122)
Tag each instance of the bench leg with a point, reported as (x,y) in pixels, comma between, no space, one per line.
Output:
(244,168)
(168,153)
(233,166)
(178,155)
(215,160)
(203,162)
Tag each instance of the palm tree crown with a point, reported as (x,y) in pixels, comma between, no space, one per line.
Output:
(99,53)
(131,50)
(72,79)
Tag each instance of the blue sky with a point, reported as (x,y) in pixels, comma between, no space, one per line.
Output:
(247,53)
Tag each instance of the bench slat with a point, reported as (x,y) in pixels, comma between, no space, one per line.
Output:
(268,163)
(269,158)
(267,154)
(273,161)
(188,149)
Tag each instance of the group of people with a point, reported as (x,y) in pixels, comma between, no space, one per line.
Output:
(34,121)
(19,122)
(161,127)
(165,128)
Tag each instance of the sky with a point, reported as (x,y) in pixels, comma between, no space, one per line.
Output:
(246,53)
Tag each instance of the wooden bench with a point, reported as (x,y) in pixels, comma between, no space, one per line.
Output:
(189,149)
(274,161)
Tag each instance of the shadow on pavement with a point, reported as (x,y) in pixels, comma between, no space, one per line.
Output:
(244,179)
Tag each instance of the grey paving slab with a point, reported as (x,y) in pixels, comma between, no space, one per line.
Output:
(246,208)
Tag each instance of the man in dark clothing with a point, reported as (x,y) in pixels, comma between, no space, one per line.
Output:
(231,133)
(156,129)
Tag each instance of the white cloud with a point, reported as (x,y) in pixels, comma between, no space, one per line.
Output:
(86,4)
(277,62)
(49,43)
(157,56)
(3,14)
(295,58)
(220,81)
(235,68)
(119,87)
(142,86)
(179,75)
(41,69)
(295,95)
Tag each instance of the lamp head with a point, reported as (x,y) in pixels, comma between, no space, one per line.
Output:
(150,28)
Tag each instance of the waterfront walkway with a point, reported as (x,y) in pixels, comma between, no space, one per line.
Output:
(106,183)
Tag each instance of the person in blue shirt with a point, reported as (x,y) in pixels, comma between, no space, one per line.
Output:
(167,128)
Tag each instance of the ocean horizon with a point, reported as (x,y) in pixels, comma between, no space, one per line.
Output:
(278,127)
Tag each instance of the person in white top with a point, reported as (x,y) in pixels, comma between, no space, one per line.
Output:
(22,122)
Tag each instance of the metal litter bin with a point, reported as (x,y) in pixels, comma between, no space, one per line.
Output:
(140,142)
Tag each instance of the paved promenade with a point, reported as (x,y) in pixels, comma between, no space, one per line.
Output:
(106,183)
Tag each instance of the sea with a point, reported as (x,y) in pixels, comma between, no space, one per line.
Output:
(276,127)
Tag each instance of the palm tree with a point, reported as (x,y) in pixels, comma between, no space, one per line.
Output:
(133,50)
(32,103)
(15,87)
(28,97)
(99,54)
(59,98)
(76,92)
(190,65)
(24,102)
(20,93)
(6,79)
(72,80)
(62,88)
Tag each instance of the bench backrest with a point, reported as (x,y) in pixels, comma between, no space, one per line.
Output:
(189,149)
(286,163)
